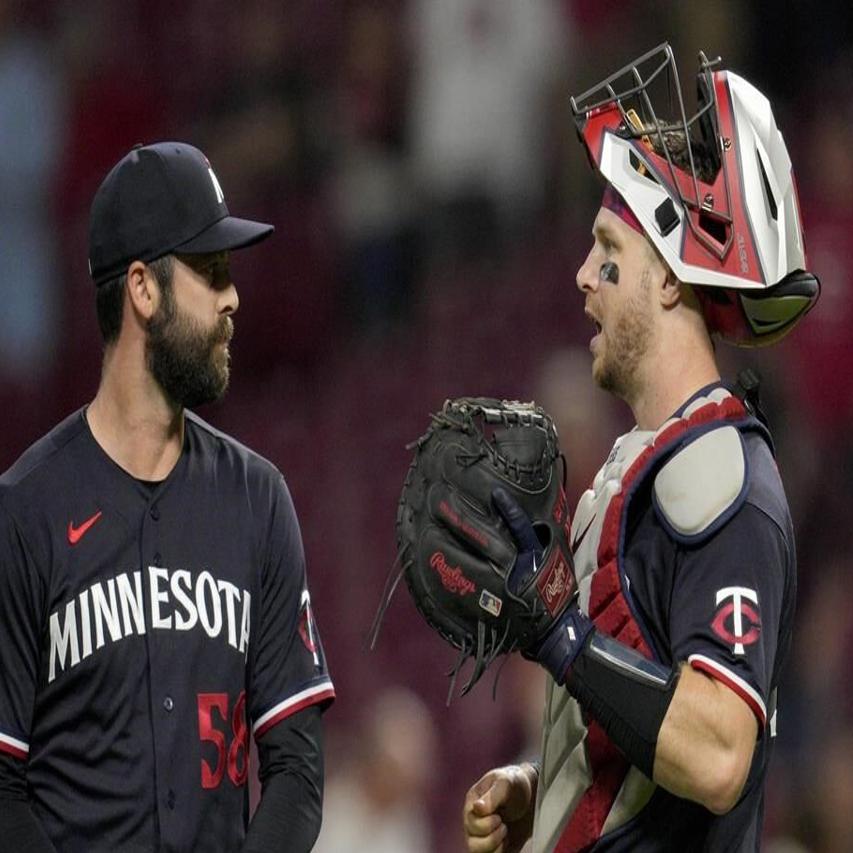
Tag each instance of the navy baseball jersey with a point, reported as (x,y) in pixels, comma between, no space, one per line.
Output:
(145,630)
(684,551)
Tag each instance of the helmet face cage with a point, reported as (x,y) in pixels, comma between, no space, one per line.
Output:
(714,190)
(630,91)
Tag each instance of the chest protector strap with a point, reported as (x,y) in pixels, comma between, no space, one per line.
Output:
(612,611)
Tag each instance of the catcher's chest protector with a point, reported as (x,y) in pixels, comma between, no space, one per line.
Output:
(587,788)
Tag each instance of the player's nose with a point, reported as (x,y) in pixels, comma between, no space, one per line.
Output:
(229,299)
(587,277)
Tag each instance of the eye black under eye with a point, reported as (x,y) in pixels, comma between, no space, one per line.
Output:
(609,272)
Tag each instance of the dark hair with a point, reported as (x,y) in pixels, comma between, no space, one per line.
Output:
(109,297)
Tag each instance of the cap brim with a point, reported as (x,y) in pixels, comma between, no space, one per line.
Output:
(226,234)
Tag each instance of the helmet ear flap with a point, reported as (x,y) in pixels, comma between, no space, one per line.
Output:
(754,318)
(773,312)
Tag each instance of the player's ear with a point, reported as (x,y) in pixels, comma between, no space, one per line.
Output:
(672,291)
(142,290)
(668,289)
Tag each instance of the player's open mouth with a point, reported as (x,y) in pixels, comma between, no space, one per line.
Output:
(596,325)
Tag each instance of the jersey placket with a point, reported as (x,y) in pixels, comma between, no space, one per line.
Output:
(160,691)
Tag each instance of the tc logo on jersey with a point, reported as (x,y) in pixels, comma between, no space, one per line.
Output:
(737,622)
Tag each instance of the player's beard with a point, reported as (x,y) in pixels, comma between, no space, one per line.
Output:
(191,364)
(626,346)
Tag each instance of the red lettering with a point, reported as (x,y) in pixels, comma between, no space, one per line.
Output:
(449,514)
(238,752)
(208,732)
(452,578)
(454,518)
(236,758)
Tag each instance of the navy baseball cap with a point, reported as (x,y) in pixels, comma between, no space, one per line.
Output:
(158,199)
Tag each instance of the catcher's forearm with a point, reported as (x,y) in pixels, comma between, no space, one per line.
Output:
(692,735)
(706,743)
(625,692)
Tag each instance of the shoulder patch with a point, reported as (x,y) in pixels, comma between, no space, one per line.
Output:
(702,484)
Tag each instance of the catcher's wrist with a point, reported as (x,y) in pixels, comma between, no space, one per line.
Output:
(533,769)
(563,643)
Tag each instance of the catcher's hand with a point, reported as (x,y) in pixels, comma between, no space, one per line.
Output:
(498,813)
(483,528)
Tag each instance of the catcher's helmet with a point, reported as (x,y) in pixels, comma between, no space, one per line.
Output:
(714,192)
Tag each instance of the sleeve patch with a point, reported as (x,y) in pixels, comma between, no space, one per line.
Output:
(702,485)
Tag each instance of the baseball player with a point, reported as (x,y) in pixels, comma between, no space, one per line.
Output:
(662,702)
(154,609)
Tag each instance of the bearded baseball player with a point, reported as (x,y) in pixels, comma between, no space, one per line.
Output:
(154,609)
(662,702)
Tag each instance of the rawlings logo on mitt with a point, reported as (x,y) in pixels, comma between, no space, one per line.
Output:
(481,530)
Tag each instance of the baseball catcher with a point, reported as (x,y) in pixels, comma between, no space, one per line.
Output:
(483,529)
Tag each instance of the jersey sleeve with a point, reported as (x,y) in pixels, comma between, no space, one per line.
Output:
(287,666)
(727,604)
(21,595)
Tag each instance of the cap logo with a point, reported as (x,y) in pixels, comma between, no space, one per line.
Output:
(220,196)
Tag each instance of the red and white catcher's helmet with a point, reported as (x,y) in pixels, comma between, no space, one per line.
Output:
(725,218)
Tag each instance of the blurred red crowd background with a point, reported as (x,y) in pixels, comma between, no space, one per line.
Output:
(432,206)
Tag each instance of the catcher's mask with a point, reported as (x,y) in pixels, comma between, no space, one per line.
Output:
(714,192)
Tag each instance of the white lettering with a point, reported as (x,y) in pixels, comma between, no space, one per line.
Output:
(115,608)
(232,593)
(105,611)
(244,622)
(155,574)
(181,585)
(85,626)
(205,579)
(61,639)
(131,602)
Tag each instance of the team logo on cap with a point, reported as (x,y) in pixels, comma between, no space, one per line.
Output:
(220,196)
(737,622)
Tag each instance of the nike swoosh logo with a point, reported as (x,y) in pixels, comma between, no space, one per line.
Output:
(75,534)
(578,539)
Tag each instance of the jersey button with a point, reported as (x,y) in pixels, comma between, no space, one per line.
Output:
(157,558)
(168,704)
(170,799)
(155,512)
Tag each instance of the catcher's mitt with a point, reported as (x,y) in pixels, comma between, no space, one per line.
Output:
(475,568)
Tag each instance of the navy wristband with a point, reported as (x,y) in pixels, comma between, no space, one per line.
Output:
(565,641)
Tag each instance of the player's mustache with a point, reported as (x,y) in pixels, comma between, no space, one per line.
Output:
(224,331)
